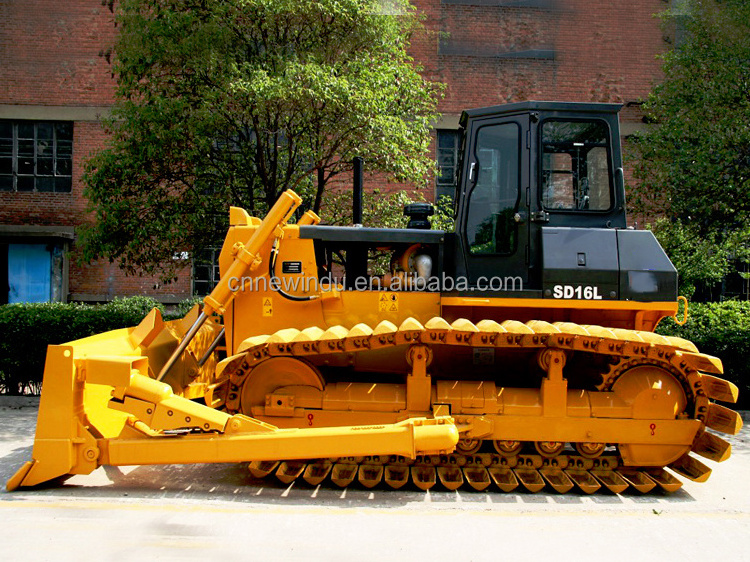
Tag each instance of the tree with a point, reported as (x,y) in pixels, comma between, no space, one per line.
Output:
(230,102)
(693,166)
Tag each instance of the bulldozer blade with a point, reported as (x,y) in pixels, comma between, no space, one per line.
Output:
(504,478)
(99,406)
(691,468)
(583,479)
(611,480)
(451,477)
(711,447)
(316,472)
(62,444)
(15,480)
(666,481)
(370,475)
(556,478)
(640,481)
(424,477)
(343,474)
(261,469)
(530,479)
(289,471)
(396,476)
(477,477)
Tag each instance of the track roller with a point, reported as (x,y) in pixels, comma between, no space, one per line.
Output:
(507,448)
(549,449)
(468,446)
(590,450)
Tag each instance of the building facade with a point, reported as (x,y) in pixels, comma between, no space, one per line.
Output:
(56,83)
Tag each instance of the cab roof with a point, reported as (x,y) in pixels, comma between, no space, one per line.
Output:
(545,106)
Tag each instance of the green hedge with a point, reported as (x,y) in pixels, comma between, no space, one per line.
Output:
(721,329)
(27,329)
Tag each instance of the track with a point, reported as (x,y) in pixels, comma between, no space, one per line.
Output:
(621,351)
(480,472)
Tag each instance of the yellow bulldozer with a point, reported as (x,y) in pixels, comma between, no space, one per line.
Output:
(517,351)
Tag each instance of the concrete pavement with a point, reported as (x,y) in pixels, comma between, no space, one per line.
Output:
(221,512)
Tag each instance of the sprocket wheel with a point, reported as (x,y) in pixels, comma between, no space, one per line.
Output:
(625,364)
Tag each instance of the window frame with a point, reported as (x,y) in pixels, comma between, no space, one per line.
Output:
(58,182)
(470,192)
(456,135)
(205,259)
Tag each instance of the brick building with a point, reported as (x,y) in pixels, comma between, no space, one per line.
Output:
(56,83)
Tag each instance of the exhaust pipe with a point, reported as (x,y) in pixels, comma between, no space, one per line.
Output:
(359,165)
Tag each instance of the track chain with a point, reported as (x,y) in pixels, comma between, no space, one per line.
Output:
(624,348)
(480,472)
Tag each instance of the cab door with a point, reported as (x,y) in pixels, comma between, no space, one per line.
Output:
(494,210)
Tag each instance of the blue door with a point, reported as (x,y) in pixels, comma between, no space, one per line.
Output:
(29,267)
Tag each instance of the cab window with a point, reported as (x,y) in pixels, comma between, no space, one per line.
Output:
(575,166)
(493,202)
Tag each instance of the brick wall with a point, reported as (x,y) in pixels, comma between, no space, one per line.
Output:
(495,52)
(55,52)
(55,60)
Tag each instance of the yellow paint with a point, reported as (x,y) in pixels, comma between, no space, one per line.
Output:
(670,307)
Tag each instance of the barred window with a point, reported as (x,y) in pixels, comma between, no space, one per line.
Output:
(448,148)
(36,156)
(206,271)
(448,142)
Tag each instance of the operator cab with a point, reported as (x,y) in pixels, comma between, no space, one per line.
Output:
(528,167)
(539,215)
